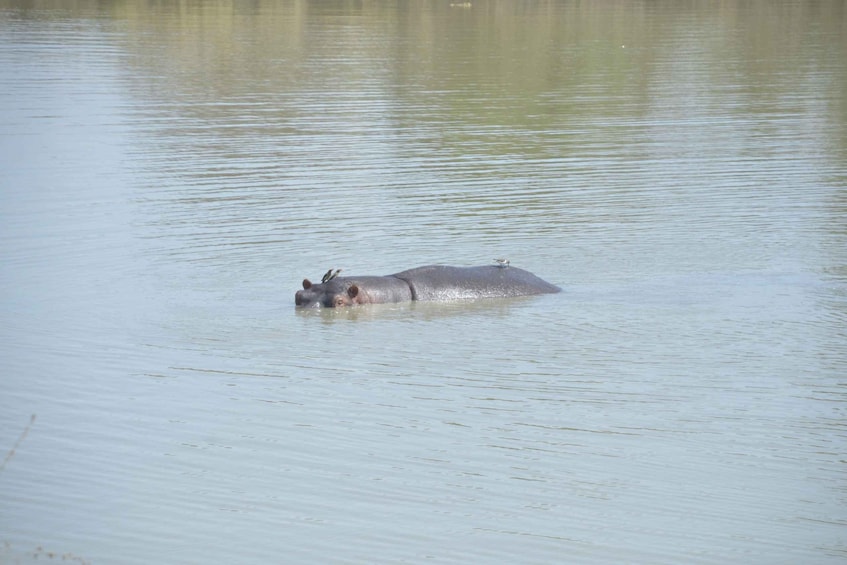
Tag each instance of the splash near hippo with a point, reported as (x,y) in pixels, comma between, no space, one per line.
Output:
(430,283)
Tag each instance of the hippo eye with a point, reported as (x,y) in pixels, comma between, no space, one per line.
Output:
(339,301)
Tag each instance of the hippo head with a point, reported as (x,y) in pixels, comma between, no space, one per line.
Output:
(331,294)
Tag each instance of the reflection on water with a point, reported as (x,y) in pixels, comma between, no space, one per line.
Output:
(169,173)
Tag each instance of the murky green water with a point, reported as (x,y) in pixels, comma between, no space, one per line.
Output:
(171,171)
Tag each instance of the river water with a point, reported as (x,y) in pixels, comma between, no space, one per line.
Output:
(170,171)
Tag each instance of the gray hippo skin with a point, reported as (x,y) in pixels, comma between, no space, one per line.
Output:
(430,283)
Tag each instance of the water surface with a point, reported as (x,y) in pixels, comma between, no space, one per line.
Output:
(170,172)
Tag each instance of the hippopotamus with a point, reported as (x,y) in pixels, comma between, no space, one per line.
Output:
(429,283)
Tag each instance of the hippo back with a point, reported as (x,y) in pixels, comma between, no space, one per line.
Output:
(441,282)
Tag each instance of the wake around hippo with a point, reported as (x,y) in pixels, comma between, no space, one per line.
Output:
(430,283)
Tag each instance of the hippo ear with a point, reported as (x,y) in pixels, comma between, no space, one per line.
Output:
(353,291)
(307,284)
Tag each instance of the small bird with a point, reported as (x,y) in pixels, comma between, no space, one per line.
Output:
(502,263)
(335,274)
(327,276)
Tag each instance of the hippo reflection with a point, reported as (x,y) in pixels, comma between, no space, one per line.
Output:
(430,283)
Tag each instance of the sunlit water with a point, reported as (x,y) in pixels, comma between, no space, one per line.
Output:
(170,172)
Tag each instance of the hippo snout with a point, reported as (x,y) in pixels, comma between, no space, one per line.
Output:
(301,299)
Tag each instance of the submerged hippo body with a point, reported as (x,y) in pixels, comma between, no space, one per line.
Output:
(430,283)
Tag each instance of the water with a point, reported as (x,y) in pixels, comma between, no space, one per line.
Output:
(169,173)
